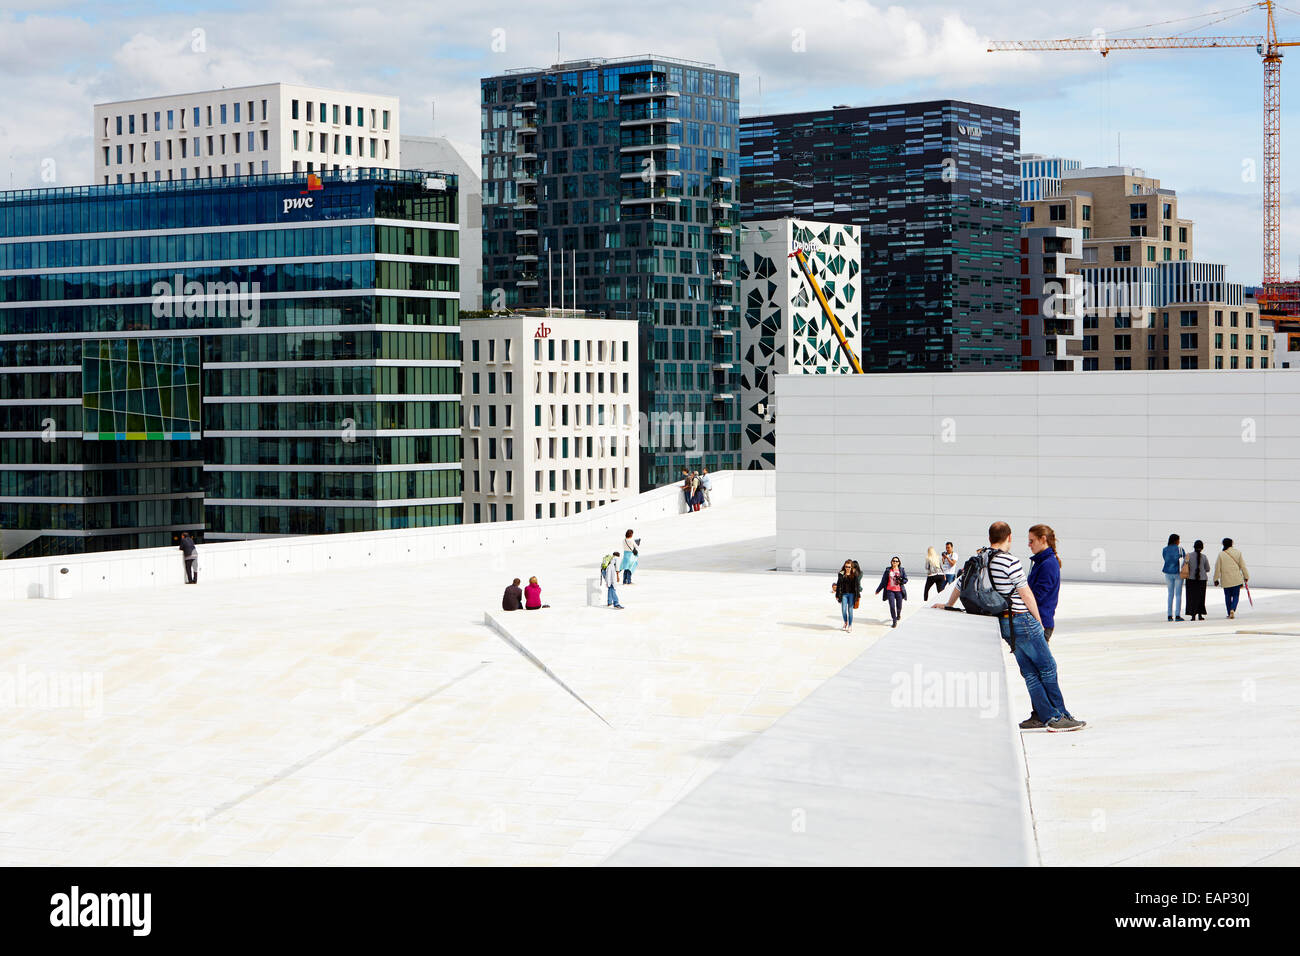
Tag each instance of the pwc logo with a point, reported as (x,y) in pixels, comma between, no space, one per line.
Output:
(542,332)
(313,184)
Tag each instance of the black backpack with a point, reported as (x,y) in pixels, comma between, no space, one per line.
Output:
(978,596)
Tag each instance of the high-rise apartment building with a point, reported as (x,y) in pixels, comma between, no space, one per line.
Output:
(935,188)
(274,356)
(608,186)
(551,423)
(1147,304)
(1051,299)
(783,328)
(244,131)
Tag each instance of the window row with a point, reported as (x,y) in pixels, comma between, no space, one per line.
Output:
(336,114)
(176,117)
(343,417)
(362,450)
(269,519)
(326,486)
(332,380)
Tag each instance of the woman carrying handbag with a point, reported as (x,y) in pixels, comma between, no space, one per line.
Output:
(847,590)
(894,583)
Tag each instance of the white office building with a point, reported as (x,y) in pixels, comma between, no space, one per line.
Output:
(784,328)
(437,153)
(550,423)
(244,131)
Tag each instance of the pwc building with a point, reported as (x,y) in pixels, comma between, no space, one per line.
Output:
(237,358)
(935,188)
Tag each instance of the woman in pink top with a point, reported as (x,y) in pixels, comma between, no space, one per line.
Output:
(533,595)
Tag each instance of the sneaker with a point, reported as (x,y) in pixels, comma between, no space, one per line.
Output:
(1170,618)
(1032,723)
(1063,724)
(618,607)
(1179,618)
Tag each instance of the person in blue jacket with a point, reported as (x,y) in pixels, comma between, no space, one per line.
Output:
(1045,582)
(1172,554)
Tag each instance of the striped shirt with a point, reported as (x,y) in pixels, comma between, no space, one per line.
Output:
(1008,576)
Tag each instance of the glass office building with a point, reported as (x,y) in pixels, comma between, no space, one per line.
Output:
(268,355)
(610,185)
(935,188)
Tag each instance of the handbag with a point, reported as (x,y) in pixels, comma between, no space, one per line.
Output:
(857,599)
(1185,571)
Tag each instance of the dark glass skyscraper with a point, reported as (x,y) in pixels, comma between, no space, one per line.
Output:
(627,168)
(236,358)
(935,188)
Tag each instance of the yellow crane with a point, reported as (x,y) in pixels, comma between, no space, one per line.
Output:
(806,269)
(1269,48)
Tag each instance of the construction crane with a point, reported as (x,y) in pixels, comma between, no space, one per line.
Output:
(1269,48)
(806,269)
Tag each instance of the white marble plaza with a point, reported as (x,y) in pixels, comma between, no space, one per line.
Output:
(370,717)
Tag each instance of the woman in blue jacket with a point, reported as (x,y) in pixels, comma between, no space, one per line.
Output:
(1173,556)
(1045,575)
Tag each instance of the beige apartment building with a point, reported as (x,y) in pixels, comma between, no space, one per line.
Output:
(1147,303)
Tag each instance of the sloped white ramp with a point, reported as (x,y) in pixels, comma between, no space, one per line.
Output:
(909,756)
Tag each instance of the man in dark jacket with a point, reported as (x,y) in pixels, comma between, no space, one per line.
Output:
(513,599)
(191,556)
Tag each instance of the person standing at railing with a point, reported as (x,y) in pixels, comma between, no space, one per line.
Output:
(191,556)
(706,485)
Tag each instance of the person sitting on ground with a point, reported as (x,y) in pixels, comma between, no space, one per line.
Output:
(513,598)
(533,596)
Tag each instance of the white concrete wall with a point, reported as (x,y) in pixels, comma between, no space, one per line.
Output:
(116,571)
(877,465)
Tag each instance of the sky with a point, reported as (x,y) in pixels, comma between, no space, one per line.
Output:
(1191,118)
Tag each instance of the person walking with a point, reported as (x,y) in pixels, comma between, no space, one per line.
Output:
(533,596)
(513,598)
(1230,573)
(948,562)
(706,485)
(847,590)
(190,554)
(1173,556)
(1022,628)
(631,556)
(1198,573)
(934,576)
(894,583)
(609,574)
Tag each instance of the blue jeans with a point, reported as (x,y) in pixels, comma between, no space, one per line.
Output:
(1174,586)
(627,575)
(846,607)
(1037,665)
(1231,596)
(612,597)
(895,599)
(949,578)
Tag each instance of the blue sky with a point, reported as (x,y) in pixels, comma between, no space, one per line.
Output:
(1190,118)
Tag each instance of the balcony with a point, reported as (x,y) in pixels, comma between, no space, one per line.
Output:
(647,90)
(649,116)
(527,280)
(647,142)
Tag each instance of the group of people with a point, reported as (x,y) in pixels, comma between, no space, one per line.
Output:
(892,589)
(529,598)
(1193,570)
(696,486)
(620,562)
(940,569)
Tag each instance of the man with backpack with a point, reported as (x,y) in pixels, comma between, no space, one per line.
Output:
(609,574)
(993,583)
